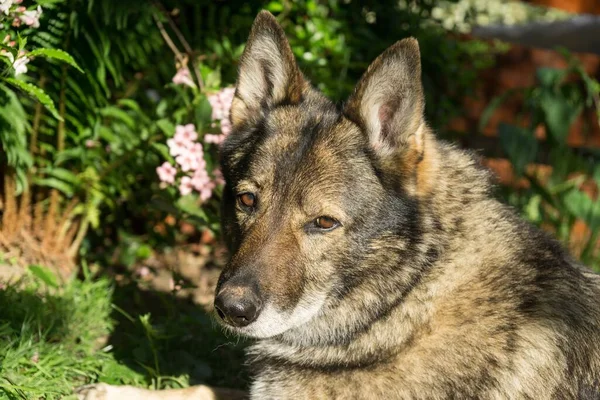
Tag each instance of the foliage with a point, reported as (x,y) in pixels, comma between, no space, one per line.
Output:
(556,201)
(15,58)
(89,164)
(54,340)
(462,15)
(48,337)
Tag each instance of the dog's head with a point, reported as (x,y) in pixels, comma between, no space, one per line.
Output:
(311,188)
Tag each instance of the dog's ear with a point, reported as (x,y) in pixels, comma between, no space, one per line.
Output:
(388,101)
(268,73)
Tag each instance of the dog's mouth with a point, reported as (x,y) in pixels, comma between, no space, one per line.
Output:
(269,320)
(220,314)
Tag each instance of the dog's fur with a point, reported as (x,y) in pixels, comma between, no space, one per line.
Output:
(429,288)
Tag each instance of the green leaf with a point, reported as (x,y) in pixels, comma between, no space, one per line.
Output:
(143,252)
(6,61)
(131,104)
(559,115)
(519,144)
(119,115)
(62,174)
(549,77)
(37,94)
(533,208)
(274,6)
(166,127)
(55,54)
(203,113)
(189,205)
(56,184)
(583,207)
(21,42)
(596,175)
(13,131)
(163,150)
(75,153)
(45,275)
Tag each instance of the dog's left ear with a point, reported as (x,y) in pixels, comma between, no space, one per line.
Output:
(268,73)
(388,101)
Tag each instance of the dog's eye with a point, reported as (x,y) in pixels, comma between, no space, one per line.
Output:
(326,223)
(247,200)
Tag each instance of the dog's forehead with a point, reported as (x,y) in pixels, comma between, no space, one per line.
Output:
(300,142)
(285,127)
(316,162)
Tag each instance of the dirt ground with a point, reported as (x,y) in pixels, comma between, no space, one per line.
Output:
(189,272)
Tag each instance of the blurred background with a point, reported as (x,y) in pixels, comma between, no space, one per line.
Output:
(111,116)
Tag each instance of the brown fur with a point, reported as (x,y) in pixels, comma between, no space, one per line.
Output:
(429,288)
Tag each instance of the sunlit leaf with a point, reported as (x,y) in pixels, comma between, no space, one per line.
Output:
(36,93)
(559,115)
(55,54)
(44,274)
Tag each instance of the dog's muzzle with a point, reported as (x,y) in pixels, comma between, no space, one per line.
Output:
(237,305)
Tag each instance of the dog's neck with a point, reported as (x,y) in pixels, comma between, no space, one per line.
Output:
(350,328)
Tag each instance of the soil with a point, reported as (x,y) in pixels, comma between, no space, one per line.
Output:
(189,272)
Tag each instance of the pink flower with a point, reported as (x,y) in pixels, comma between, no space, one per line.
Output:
(219,179)
(221,103)
(166,173)
(185,133)
(202,183)
(185,187)
(225,126)
(176,148)
(32,18)
(20,64)
(187,161)
(143,272)
(217,108)
(183,77)
(5,6)
(91,143)
(221,107)
(184,138)
(226,96)
(205,194)
(216,139)
(200,179)
(197,151)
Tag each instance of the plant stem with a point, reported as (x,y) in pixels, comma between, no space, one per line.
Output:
(184,43)
(24,212)
(81,232)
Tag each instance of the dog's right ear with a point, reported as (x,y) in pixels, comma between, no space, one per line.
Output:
(268,74)
(388,102)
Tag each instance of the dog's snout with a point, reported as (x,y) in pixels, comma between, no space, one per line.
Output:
(238,306)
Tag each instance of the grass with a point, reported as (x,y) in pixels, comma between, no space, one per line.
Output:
(54,340)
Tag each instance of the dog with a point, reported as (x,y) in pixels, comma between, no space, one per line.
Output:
(370,260)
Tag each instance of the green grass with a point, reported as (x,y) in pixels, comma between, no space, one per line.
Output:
(52,341)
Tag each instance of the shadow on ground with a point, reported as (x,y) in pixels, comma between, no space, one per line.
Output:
(181,339)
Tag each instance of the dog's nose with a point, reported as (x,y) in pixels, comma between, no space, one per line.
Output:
(238,306)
